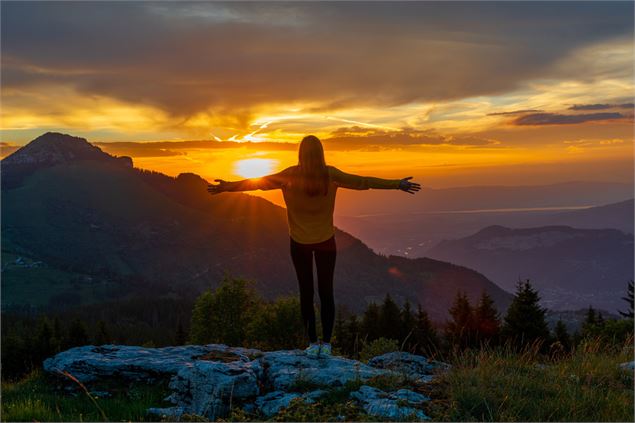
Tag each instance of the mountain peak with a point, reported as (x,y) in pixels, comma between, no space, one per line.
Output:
(54,148)
(50,149)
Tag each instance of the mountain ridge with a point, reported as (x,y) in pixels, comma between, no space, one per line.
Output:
(105,231)
(572,267)
(51,149)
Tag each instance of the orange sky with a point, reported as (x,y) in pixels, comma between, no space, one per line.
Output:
(505,95)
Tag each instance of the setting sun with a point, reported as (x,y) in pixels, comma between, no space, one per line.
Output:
(254,168)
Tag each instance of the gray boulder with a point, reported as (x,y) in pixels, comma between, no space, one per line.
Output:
(271,403)
(172,413)
(400,405)
(89,362)
(206,380)
(207,388)
(286,369)
(275,401)
(629,365)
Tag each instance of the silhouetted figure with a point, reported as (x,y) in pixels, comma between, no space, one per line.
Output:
(309,190)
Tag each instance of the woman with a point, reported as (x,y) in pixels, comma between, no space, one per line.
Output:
(309,194)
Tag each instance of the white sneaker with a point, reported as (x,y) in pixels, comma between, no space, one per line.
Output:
(313,350)
(325,349)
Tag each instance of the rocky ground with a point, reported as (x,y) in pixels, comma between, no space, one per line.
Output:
(210,380)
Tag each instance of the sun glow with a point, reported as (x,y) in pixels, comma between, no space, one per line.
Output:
(254,168)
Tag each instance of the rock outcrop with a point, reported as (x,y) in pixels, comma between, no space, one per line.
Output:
(206,380)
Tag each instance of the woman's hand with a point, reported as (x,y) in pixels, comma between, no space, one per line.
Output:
(222,186)
(409,187)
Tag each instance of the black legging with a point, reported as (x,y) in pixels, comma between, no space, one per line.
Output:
(302,256)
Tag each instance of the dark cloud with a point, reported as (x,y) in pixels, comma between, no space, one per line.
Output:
(559,119)
(177,148)
(228,58)
(135,149)
(356,137)
(601,106)
(342,139)
(515,112)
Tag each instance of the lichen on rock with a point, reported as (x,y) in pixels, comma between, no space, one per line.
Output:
(207,380)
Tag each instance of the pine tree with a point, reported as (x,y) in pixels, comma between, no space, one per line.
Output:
(390,319)
(591,316)
(371,328)
(525,319)
(561,335)
(352,345)
(460,331)
(487,319)
(425,336)
(629,300)
(590,322)
(408,324)
(339,328)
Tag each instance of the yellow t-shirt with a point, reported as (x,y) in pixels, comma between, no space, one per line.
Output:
(311,218)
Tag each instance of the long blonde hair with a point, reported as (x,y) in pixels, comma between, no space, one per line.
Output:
(314,175)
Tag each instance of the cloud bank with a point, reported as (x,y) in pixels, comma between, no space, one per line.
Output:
(225,59)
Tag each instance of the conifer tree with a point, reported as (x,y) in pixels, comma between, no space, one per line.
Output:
(590,322)
(629,300)
(461,329)
(487,319)
(591,316)
(425,336)
(371,328)
(408,324)
(339,328)
(390,319)
(561,335)
(525,319)
(353,336)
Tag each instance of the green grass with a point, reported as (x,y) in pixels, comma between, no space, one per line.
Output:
(484,385)
(499,385)
(38,398)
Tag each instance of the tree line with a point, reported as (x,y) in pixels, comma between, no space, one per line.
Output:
(235,314)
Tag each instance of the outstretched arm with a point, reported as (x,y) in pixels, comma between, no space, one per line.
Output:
(273,181)
(348,180)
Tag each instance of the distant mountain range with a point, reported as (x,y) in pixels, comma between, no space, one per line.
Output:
(615,216)
(474,198)
(414,234)
(80,226)
(572,268)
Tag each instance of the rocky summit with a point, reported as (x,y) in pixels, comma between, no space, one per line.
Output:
(206,380)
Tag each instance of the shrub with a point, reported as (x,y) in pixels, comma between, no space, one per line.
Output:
(378,347)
